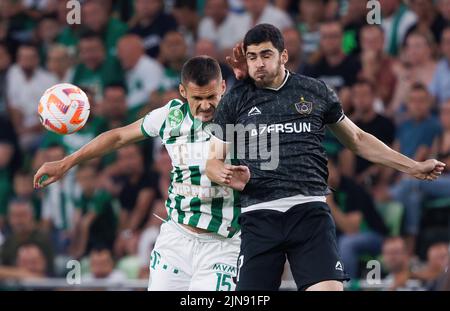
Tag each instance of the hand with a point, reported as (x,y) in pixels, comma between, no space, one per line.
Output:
(49,173)
(240,177)
(427,170)
(238,62)
(232,176)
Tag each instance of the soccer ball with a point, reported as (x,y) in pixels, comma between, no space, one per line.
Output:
(63,109)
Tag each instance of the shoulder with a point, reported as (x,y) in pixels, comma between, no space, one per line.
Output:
(315,86)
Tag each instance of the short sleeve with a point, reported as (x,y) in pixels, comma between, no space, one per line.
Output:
(154,120)
(225,114)
(333,112)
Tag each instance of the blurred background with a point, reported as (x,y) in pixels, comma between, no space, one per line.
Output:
(393,80)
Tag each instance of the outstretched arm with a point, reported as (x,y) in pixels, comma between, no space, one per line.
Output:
(102,144)
(372,149)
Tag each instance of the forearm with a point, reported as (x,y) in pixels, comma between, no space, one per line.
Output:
(372,149)
(99,146)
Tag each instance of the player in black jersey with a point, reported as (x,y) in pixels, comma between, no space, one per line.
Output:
(284,210)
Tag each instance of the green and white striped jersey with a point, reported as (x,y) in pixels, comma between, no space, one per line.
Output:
(193,199)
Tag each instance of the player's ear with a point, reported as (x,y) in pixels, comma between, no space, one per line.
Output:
(284,57)
(182,90)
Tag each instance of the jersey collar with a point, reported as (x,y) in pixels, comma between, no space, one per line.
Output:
(286,77)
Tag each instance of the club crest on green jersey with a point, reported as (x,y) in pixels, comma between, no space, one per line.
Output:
(303,107)
(175,117)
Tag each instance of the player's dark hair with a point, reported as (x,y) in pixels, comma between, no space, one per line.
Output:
(200,70)
(264,33)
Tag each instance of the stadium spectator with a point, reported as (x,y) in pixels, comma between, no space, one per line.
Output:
(416,134)
(418,66)
(412,193)
(5,62)
(151,23)
(26,82)
(336,69)
(376,65)
(440,85)
(185,13)
(138,191)
(221,26)
(23,230)
(396,20)
(353,20)
(57,205)
(173,55)
(101,265)
(311,14)
(95,218)
(23,189)
(396,262)
(359,226)
(46,35)
(19,26)
(95,70)
(293,44)
(96,19)
(437,261)
(59,63)
(444,9)
(143,74)
(263,12)
(31,263)
(428,19)
(366,117)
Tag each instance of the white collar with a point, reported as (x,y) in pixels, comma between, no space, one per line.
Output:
(286,77)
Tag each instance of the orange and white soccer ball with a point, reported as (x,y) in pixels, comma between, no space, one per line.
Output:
(64,109)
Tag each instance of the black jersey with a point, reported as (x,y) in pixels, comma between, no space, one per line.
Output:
(296,113)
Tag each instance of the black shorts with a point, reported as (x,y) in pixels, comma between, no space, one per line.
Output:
(305,235)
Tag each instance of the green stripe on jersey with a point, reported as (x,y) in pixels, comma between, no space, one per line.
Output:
(216,212)
(178,198)
(195,202)
(195,210)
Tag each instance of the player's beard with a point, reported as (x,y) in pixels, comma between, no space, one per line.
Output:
(269,77)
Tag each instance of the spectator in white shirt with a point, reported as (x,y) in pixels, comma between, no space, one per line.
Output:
(262,12)
(26,83)
(143,74)
(221,26)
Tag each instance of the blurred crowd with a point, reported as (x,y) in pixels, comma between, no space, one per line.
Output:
(393,80)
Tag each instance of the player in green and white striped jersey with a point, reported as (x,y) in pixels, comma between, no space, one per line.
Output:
(193,199)
(198,245)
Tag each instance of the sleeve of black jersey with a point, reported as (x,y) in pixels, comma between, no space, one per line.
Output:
(225,114)
(333,112)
